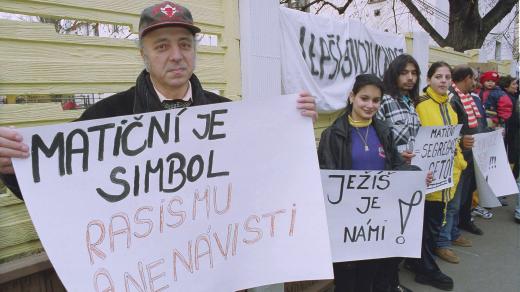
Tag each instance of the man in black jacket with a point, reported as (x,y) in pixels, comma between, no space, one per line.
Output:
(471,118)
(167,41)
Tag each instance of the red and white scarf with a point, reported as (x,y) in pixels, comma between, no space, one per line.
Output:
(469,106)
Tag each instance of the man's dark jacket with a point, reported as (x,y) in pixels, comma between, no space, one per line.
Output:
(462,116)
(141,98)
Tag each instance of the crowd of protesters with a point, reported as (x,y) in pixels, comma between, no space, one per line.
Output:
(378,132)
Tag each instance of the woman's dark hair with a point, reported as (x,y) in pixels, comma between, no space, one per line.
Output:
(362,81)
(434,67)
(392,74)
(505,81)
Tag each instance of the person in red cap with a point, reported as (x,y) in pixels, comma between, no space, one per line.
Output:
(167,42)
(497,103)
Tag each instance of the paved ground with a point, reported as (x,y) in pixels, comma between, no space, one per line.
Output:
(491,264)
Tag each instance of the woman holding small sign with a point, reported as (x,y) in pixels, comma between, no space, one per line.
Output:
(434,109)
(359,141)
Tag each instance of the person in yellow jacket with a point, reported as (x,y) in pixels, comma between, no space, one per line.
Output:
(434,109)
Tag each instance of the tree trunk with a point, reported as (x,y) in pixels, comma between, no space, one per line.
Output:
(465,26)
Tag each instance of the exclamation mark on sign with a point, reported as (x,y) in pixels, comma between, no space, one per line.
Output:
(492,162)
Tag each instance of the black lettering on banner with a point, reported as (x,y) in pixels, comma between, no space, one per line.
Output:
(101,129)
(346,56)
(325,55)
(354,52)
(385,178)
(200,168)
(135,178)
(442,171)
(215,123)
(118,181)
(179,170)
(416,200)
(366,181)
(82,150)
(362,186)
(117,139)
(178,124)
(366,233)
(155,127)
(206,128)
(366,53)
(37,145)
(342,177)
(124,138)
(210,167)
(312,55)
(151,170)
(302,41)
(492,162)
(337,59)
(210,125)
(371,204)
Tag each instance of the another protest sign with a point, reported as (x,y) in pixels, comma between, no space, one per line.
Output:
(434,150)
(219,197)
(325,55)
(492,170)
(374,214)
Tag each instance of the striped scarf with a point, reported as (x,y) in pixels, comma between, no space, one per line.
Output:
(469,106)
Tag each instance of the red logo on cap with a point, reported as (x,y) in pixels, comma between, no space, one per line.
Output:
(168,10)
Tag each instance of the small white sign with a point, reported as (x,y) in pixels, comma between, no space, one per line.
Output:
(492,170)
(434,150)
(374,214)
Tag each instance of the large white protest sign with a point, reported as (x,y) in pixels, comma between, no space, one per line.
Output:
(374,214)
(212,198)
(492,171)
(434,150)
(324,55)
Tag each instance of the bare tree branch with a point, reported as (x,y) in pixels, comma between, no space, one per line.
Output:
(467,29)
(424,23)
(340,9)
(305,7)
(321,7)
(495,15)
(395,16)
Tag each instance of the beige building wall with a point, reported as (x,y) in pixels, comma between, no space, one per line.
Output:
(37,60)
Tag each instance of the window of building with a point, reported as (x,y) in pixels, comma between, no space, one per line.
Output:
(498,50)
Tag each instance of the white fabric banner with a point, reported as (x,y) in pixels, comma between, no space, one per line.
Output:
(374,214)
(492,170)
(324,55)
(211,198)
(434,150)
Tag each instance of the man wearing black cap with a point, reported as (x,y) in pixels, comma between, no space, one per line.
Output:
(168,47)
